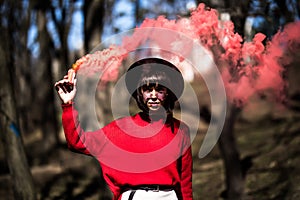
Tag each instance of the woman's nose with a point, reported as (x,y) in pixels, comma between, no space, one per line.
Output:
(153,93)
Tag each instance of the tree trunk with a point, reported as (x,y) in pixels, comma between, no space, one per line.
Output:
(94,13)
(233,167)
(48,119)
(238,13)
(23,186)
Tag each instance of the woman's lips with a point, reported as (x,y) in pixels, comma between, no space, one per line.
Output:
(153,103)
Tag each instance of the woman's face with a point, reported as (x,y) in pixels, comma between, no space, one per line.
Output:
(154,96)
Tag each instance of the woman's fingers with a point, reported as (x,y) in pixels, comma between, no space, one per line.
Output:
(64,86)
(71,75)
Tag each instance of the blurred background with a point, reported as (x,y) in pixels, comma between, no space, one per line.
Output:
(257,155)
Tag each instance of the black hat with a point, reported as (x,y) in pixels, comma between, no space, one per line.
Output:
(151,66)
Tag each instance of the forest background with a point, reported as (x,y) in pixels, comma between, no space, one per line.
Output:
(256,156)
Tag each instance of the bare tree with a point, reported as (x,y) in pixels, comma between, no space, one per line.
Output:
(94,13)
(62,18)
(9,120)
(45,94)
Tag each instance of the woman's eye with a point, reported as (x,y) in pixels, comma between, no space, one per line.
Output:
(145,88)
(160,89)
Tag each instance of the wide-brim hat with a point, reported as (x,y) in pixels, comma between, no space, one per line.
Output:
(152,65)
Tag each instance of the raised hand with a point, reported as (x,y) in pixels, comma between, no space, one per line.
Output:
(66,88)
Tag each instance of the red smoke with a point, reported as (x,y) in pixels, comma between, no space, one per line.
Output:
(247,68)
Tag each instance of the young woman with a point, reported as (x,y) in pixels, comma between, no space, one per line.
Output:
(144,156)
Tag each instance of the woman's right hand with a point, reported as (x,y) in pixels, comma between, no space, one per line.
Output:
(66,88)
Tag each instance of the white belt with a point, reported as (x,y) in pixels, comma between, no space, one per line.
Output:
(149,195)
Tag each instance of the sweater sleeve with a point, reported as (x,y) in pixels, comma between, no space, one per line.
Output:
(187,170)
(89,143)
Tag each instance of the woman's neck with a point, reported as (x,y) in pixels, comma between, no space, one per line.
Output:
(156,116)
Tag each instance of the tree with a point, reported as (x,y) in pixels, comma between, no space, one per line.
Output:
(9,120)
(48,120)
(94,15)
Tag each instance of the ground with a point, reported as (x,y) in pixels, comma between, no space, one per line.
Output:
(273,147)
(270,141)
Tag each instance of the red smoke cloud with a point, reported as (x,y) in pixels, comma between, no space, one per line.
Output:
(247,68)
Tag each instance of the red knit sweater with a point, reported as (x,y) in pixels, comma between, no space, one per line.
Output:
(133,152)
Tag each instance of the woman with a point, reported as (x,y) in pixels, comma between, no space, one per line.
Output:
(144,156)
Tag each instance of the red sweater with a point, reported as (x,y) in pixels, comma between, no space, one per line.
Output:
(133,152)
